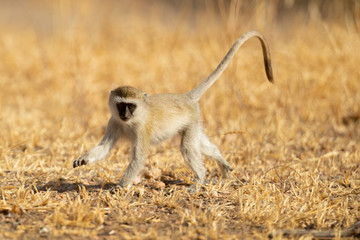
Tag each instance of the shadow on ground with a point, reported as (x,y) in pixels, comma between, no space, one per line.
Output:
(61,186)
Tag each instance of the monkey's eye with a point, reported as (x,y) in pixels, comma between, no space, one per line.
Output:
(131,107)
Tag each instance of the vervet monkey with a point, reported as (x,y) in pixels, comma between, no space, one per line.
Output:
(146,120)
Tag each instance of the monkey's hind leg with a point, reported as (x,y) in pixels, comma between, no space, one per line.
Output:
(190,150)
(211,150)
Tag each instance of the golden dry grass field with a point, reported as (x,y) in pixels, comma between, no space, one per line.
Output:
(294,145)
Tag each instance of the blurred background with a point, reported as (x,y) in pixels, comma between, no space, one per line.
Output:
(54,17)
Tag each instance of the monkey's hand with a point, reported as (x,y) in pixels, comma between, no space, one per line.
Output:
(83,160)
(97,153)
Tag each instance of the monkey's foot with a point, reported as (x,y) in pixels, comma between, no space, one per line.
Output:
(80,161)
(194,188)
(121,187)
(116,190)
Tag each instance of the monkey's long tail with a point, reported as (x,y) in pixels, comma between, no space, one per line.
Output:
(197,92)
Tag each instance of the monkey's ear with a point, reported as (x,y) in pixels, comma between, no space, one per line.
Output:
(146,99)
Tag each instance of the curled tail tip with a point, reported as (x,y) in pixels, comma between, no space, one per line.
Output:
(271,78)
(268,70)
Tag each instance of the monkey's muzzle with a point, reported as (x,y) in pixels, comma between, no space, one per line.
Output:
(125,110)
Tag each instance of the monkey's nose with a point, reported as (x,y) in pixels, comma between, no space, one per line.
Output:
(124,118)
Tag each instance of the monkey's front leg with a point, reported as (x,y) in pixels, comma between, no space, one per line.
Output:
(100,151)
(136,164)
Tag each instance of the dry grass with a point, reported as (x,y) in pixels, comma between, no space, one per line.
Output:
(294,145)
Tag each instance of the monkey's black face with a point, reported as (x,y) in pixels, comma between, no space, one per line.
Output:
(126,110)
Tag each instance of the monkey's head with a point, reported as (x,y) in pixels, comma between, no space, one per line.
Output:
(124,102)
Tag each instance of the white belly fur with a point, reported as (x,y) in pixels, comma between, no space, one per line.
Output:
(166,129)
